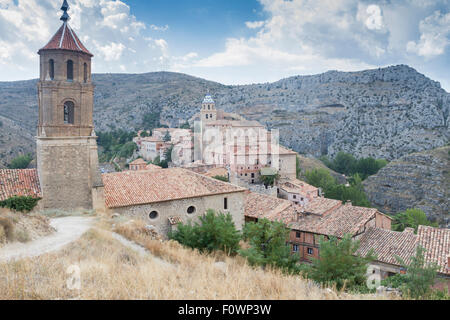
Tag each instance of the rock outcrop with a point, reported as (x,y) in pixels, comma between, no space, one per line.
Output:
(384,113)
(419,180)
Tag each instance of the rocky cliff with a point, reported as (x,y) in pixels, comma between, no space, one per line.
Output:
(384,113)
(419,180)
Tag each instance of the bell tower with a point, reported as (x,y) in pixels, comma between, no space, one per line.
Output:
(67,156)
(208,112)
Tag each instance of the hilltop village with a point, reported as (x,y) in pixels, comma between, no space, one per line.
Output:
(224,162)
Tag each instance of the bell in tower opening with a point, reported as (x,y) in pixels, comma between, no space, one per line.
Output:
(67,156)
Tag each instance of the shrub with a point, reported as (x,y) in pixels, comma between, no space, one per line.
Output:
(221,178)
(268,245)
(214,232)
(21,162)
(411,218)
(339,264)
(419,277)
(7,227)
(20,203)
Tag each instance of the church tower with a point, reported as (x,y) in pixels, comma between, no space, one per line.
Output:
(208,112)
(67,156)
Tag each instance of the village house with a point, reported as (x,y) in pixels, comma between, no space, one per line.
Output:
(388,245)
(139,164)
(297,191)
(19,182)
(165,197)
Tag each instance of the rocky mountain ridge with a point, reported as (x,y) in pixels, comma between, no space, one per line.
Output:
(384,113)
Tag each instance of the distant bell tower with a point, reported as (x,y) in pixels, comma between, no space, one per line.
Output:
(208,112)
(67,156)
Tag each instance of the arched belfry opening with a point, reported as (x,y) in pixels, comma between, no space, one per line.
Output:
(69,112)
(69,70)
(66,146)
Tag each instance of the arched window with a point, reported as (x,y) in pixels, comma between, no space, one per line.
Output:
(85,73)
(69,109)
(70,70)
(51,69)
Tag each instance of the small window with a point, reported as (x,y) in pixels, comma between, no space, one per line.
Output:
(297,234)
(225,203)
(69,109)
(295,248)
(191,210)
(207,116)
(85,73)
(51,69)
(153,215)
(70,70)
(310,251)
(295,197)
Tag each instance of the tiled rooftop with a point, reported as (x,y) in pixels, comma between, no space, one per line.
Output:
(321,206)
(20,182)
(66,39)
(139,161)
(388,244)
(130,188)
(346,219)
(298,186)
(436,242)
(262,206)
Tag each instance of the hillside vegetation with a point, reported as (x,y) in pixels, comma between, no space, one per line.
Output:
(382,113)
(179,274)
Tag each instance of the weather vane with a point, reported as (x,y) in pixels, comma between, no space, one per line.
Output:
(65,7)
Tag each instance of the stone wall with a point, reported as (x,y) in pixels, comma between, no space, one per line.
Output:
(65,172)
(178,208)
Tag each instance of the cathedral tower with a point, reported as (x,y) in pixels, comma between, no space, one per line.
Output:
(67,156)
(208,112)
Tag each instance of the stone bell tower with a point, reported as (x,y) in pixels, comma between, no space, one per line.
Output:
(67,158)
(208,112)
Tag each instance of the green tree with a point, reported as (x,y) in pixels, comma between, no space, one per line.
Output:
(20,203)
(215,231)
(298,168)
(127,149)
(151,121)
(339,264)
(420,276)
(168,154)
(185,125)
(269,180)
(320,178)
(411,218)
(221,178)
(268,246)
(167,137)
(345,163)
(21,162)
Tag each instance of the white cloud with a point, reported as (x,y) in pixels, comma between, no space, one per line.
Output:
(434,38)
(157,28)
(106,28)
(254,24)
(374,20)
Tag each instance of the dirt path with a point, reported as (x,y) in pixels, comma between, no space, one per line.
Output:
(68,229)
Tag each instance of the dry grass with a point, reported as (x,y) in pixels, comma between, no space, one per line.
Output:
(110,270)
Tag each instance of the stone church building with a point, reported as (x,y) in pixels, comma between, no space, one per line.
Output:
(67,159)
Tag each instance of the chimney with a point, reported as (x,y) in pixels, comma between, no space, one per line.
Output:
(348,203)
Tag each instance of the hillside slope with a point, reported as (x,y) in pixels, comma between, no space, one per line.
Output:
(419,180)
(384,113)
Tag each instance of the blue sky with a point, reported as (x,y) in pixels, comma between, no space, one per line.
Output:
(235,41)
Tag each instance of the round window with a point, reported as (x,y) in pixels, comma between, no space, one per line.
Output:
(153,215)
(191,210)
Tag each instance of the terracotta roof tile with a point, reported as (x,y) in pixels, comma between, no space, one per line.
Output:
(66,39)
(22,182)
(138,162)
(436,242)
(298,186)
(388,244)
(347,219)
(129,188)
(321,206)
(261,206)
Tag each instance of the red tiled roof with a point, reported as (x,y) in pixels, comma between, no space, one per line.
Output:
(436,242)
(123,189)
(261,206)
(388,244)
(321,206)
(66,39)
(346,219)
(298,186)
(22,182)
(138,162)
